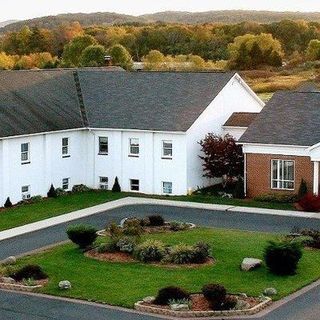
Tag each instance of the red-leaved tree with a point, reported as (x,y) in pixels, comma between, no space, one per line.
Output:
(221,156)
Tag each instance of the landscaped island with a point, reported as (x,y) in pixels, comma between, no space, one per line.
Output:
(125,283)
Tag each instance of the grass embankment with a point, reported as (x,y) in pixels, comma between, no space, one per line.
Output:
(123,284)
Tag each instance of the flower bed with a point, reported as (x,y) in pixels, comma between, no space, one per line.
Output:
(200,308)
(20,286)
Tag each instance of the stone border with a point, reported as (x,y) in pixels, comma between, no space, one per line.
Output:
(19,287)
(140,306)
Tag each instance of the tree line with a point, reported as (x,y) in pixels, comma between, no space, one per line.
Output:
(245,45)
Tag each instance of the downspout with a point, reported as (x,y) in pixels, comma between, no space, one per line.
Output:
(245,175)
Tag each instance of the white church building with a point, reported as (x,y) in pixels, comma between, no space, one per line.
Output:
(88,126)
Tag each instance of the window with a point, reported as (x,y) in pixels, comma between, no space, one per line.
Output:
(65,147)
(103,183)
(282,174)
(167,187)
(134,185)
(103,145)
(134,147)
(65,183)
(167,149)
(25,191)
(25,152)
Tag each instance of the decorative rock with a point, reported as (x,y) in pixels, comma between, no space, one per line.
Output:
(270,292)
(7,280)
(250,264)
(65,285)
(179,307)
(149,299)
(9,260)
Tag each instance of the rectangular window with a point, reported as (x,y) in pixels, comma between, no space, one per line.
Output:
(25,191)
(167,149)
(167,187)
(282,174)
(103,145)
(65,147)
(25,152)
(134,147)
(134,185)
(103,183)
(65,183)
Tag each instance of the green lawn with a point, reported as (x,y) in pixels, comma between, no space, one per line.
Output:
(123,284)
(48,208)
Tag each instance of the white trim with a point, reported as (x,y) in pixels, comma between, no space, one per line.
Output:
(316,177)
(271,145)
(314,146)
(234,127)
(138,130)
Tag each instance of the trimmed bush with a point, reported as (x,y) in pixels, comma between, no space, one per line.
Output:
(156,221)
(8,203)
(116,186)
(310,203)
(277,197)
(29,272)
(181,254)
(201,252)
(303,189)
(80,188)
(282,257)
(150,251)
(52,193)
(215,294)
(238,191)
(82,235)
(168,294)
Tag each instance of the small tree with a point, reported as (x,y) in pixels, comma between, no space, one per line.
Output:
(120,56)
(8,203)
(222,156)
(52,193)
(303,189)
(93,56)
(116,186)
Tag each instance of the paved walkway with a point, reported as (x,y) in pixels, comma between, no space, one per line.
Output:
(10,233)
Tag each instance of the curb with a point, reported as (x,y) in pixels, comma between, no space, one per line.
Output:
(43,224)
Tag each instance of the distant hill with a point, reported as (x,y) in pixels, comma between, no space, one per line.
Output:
(5,23)
(109,18)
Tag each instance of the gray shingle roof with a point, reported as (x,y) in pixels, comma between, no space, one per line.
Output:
(241,119)
(160,101)
(289,118)
(42,101)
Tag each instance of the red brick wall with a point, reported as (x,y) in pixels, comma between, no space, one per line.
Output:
(259,173)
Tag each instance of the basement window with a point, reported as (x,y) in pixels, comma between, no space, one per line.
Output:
(103,183)
(25,191)
(134,185)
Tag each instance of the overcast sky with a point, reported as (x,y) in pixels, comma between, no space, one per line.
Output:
(22,9)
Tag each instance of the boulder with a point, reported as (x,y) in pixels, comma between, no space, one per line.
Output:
(65,285)
(179,307)
(9,261)
(270,292)
(250,264)
(149,299)
(8,280)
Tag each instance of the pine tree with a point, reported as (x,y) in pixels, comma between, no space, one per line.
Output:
(116,186)
(52,193)
(8,203)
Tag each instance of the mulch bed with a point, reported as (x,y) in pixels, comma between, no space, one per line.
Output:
(125,257)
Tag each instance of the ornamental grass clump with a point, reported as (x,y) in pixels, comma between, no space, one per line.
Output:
(150,251)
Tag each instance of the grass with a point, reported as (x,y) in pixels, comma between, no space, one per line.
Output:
(48,208)
(123,284)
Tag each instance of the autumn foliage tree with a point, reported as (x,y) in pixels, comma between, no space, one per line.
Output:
(221,156)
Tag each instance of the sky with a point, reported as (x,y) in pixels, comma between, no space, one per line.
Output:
(21,9)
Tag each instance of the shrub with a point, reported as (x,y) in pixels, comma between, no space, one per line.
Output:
(35,199)
(8,203)
(277,197)
(60,192)
(150,251)
(80,188)
(238,192)
(116,186)
(29,272)
(82,235)
(201,252)
(180,254)
(109,247)
(115,231)
(282,257)
(178,226)
(126,244)
(132,227)
(52,193)
(156,221)
(303,189)
(315,235)
(168,294)
(229,303)
(215,295)
(310,203)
